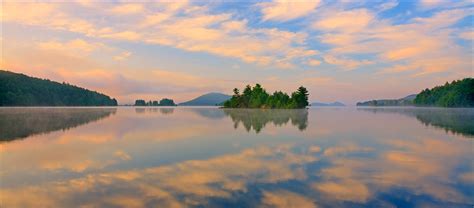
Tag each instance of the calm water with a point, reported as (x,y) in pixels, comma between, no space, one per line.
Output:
(208,157)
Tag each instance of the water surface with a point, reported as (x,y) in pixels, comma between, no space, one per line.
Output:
(209,157)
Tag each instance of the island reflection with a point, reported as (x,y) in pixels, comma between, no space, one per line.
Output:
(18,123)
(164,111)
(453,120)
(257,119)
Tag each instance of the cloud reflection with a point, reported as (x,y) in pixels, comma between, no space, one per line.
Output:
(183,184)
(147,161)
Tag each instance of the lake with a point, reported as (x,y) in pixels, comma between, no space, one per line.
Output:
(210,157)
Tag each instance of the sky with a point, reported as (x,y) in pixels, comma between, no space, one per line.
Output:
(346,51)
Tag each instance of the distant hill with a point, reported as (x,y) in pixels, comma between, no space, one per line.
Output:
(209,99)
(405,101)
(337,104)
(410,97)
(21,90)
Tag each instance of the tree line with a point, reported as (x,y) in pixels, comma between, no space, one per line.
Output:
(257,97)
(21,90)
(162,102)
(458,93)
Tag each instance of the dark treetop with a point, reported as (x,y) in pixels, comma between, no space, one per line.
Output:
(257,97)
(21,90)
(459,93)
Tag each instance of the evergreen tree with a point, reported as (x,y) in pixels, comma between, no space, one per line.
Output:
(140,103)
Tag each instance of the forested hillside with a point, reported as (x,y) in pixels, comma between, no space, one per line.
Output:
(459,93)
(21,90)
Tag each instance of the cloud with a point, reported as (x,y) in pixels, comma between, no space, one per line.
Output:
(191,28)
(317,80)
(441,4)
(388,5)
(125,35)
(416,42)
(75,46)
(344,35)
(314,62)
(122,56)
(284,10)
(126,9)
(425,66)
(468,35)
(233,39)
(26,12)
(351,21)
(122,155)
(345,63)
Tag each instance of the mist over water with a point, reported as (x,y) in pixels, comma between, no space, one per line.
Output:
(192,157)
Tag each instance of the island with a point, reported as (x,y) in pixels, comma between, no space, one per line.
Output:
(163,102)
(458,93)
(257,97)
(22,90)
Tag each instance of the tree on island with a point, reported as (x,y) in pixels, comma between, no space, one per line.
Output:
(140,103)
(163,102)
(167,102)
(257,97)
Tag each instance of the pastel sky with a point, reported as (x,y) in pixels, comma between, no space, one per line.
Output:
(345,51)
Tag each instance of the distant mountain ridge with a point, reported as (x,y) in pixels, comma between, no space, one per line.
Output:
(405,101)
(209,99)
(22,90)
(336,104)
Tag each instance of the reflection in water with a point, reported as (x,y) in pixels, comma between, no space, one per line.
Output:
(344,158)
(256,119)
(210,113)
(163,111)
(457,121)
(166,111)
(16,123)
